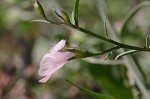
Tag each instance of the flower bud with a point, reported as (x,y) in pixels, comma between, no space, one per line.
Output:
(66,18)
(38,7)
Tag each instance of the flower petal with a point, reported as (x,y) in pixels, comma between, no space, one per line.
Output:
(46,62)
(53,60)
(45,79)
(57,47)
(59,60)
(63,56)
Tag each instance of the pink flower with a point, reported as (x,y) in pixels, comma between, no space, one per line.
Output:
(53,60)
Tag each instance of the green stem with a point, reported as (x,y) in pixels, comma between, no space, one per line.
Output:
(109,40)
(85,54)
(106,51)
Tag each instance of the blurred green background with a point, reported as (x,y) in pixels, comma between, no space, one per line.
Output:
(23,44)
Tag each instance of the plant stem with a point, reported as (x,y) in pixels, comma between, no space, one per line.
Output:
(109,40)
(106,51)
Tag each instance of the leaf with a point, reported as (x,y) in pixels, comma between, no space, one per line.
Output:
(131,14)
(92,93)
(47,21)
(39,20)
(126,53)
(105,29)
(147,41)
(75,13)
(110,78)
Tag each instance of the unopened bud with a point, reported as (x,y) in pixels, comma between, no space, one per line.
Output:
(66,18)
(38,7)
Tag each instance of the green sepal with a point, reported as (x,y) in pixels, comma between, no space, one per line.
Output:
(79,53)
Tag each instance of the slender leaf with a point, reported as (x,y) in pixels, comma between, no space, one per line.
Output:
(39,20)
(105,29)
(147,41)
(75,13)
(126,53)
(92,93)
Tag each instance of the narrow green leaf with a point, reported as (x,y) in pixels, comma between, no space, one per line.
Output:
(92,93)
(47,21)
(147,41)
(125,53)
(39,20)
(131,14)
(75,13)
(105,29)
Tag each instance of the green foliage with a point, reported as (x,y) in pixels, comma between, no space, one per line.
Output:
(147,42)
(75,12)
(106,78)
(92,93)
(22,45)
